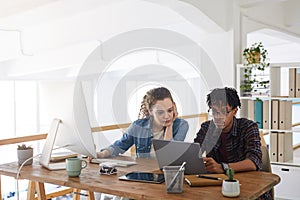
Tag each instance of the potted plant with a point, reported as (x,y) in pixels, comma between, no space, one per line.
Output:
(255,59)
(24,152)
(230,186)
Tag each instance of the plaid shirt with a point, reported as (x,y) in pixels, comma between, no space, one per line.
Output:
(242,142)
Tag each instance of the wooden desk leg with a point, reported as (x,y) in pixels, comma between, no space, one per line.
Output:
(91,195)
(40,191)
(0,188)
(31,190)
(76,194)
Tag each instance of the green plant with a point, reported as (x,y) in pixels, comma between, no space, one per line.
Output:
(256,55)
(230,174)
(23,147)
(255,59)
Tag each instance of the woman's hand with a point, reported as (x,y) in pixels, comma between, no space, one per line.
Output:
(169,128)
(175,113)
(101,154)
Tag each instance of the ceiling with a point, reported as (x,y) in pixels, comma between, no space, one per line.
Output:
(39,28)
(13,7)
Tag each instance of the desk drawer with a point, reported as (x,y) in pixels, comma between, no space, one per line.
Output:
(288,188)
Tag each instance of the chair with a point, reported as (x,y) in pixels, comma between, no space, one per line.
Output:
(266,164)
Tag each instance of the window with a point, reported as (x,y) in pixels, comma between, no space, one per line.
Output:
(26,108)
(7,114)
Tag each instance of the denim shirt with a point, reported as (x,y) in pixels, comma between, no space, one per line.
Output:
(139,133)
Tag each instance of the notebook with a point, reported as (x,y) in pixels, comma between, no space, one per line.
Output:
(195,181)
(171,153)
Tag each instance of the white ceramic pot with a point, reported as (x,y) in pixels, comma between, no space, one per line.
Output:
(231,188)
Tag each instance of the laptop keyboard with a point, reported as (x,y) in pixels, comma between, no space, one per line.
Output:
(117,163)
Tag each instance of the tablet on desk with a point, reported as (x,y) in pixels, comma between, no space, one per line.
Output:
(143,177)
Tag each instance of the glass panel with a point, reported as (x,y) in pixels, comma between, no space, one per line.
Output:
(7,109)
(26,108)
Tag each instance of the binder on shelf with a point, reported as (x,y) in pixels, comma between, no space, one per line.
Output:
(274,116)
(288,115)
(251,109)
(258,113)
(292,82)
(297,82)
(244,108)
(285,115)
(281,115)
(275,77)
(266,114)
(285,146)
(273,146)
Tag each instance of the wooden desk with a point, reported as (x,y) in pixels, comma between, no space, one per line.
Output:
(253,184)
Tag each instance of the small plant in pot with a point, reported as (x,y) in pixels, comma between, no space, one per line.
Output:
(230,186)
(255,60)
(24,152)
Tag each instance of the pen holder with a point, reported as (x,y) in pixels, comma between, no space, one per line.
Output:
(173,179)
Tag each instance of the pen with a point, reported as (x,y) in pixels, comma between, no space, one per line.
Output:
(209,177)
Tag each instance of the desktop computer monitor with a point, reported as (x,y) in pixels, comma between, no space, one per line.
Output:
(65,101)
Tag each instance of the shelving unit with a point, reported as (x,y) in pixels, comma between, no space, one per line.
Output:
(288,166)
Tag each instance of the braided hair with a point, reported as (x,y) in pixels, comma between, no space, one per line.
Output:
(224,95)
(150,99)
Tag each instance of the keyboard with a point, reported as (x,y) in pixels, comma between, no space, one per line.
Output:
(57,166)
(61,156)
(117,163)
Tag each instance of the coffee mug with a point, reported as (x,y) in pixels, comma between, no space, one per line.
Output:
(74,166)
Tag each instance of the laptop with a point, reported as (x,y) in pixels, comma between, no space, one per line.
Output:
(171,153)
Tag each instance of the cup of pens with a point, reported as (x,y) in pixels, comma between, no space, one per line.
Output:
(174,178)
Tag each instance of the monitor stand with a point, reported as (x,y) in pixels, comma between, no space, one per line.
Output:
(45,159)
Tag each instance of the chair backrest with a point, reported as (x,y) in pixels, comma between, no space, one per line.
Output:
(266,164)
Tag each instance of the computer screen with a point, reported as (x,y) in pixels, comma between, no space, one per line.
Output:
(65,100)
